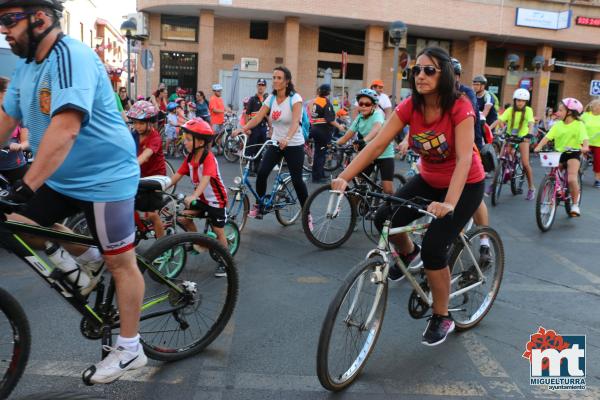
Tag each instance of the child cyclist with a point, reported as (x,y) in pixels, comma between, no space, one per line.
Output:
(210,195)
(519,121)
(171,127)
(569,133)
(150,154)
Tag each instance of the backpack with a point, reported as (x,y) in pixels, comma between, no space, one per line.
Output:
(489,159)
(304,120)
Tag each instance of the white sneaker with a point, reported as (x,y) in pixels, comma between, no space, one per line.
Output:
(575,212)
(115,365)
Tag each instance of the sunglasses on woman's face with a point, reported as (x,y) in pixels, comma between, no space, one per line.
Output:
(11,19)
(429,70)
(361,104)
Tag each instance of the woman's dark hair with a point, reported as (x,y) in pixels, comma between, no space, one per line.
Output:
(3,84)
(446,87)
(514,112)
(287,75)
(201,93)
(158,92)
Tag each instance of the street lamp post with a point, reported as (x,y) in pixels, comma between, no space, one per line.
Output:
(129,29)
(396,30)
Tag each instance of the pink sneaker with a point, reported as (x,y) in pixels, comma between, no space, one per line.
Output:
(530,195)
(255,212)
(311,227)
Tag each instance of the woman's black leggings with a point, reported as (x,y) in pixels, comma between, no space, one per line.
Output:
(294,156)
(442,232)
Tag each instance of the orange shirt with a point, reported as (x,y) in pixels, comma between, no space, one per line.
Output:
(216,103)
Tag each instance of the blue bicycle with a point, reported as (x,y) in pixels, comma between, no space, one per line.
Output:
(282,200)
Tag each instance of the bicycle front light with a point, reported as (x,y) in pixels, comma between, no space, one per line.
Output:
(237,180)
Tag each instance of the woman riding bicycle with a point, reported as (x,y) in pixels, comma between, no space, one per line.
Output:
(367,125)
(519,121)
(569,134)
(442,132)
(284,108)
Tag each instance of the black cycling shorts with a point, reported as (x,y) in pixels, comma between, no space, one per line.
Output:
(216,216)
(564,157)
(442,232)
(386,168)
(111,223)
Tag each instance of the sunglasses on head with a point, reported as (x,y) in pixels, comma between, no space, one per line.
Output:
(11,19)
(429,70)
(362,104)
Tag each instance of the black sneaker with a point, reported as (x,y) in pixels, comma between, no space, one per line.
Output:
(485,258)
(437,330)
(220,271)
(395,273)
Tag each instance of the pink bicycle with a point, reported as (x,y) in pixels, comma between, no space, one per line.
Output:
(553,189)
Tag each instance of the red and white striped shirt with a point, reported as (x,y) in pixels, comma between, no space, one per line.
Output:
(215,194)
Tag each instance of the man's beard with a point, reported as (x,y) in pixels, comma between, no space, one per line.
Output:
(20,46)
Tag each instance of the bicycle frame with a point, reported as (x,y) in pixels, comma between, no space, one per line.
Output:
(11,240)
(245,181)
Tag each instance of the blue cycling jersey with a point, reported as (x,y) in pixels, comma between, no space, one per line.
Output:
(102,165)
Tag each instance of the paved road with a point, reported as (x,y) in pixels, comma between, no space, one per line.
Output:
(268,349)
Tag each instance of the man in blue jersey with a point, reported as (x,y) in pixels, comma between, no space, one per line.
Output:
(85,157)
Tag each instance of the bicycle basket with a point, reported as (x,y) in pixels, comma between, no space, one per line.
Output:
(550,159)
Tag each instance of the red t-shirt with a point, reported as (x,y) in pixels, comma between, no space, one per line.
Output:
(435,142)
(215,194)
(156,163)
(216,103)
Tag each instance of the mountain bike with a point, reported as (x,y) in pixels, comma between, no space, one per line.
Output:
(15,343)
(334,217)
(333,156)
(355,315)
(553,189)
(282,200)
(509,168)
(180,315)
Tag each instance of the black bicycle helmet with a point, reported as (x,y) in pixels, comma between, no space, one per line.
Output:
(55,4)
(456,66)
(34,41)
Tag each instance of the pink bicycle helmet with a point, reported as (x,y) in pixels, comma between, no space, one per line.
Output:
(142,111)
(572,104)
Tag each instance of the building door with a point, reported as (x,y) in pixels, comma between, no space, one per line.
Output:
(554,90)
(495,86)
(179,69)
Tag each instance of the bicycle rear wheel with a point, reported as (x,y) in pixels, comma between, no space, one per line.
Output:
(201,312)
(288,208)
(497,183)
(470,307)
(15,345)
(545,204)
(232,147)
(329,231)
(352,325)
(309,153)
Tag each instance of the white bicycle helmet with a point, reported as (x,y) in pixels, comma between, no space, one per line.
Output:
(217,87)
(521,94)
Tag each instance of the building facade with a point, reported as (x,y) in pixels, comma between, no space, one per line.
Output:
(514,43)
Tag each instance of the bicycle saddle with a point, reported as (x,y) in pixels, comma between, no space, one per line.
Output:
(155,182)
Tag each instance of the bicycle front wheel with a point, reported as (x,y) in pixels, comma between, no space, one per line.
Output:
(517,180)
(330,228)
(471,306)
(287,206)
(15,344)
(545,204)
(176,324)
(497,183)
(170,172)
(231,148)
(239,207)
(309,153)
(352,325)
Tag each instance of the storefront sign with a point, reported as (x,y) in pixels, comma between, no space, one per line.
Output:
(588,21)
(543,19)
